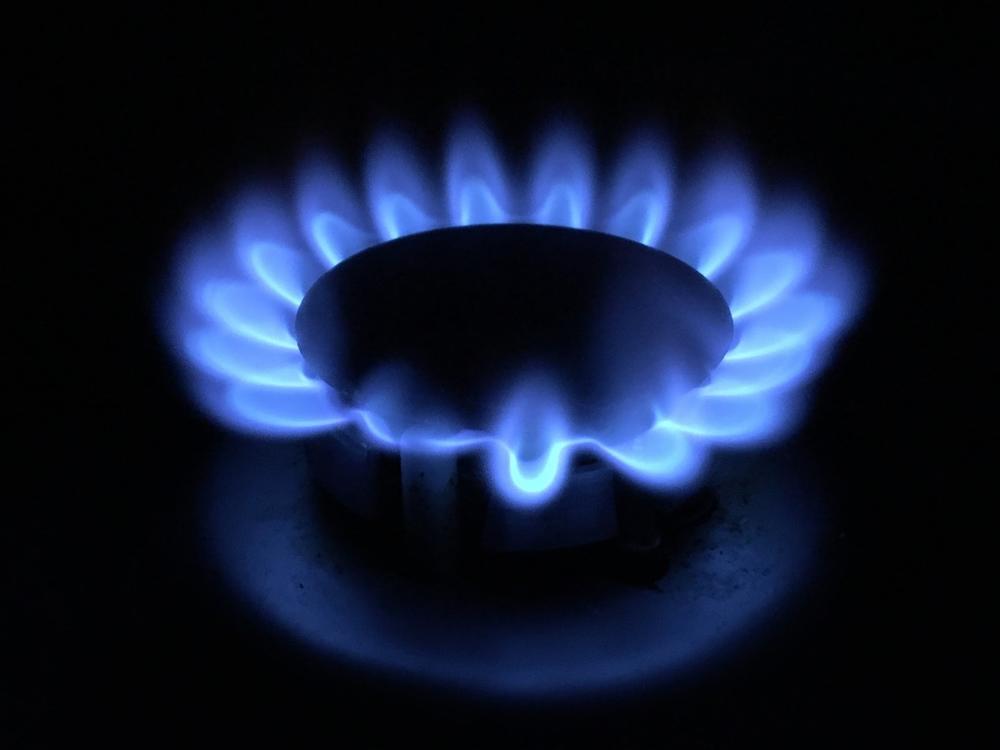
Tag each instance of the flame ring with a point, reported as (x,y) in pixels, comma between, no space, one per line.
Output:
(790,295)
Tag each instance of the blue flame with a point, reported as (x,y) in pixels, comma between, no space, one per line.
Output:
(476,183)
(639,203)
(330,217)
(562,184)
(791,294)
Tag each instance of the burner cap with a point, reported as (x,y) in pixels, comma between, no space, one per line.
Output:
(441,326)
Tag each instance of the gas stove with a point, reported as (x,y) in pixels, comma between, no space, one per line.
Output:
(494,420)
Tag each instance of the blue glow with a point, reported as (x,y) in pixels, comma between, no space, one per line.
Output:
(283,411)
(242,360)
(330,216)
(335,238)
(661,456)
(562,184)
(749,375)
(532,454)
(246,310)
(731,420)
(476,184)
(639,201)
(280,269)
(239,284)
(717,215)
(399,194)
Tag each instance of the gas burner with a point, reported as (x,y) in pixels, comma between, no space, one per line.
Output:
(507,371)
(789,294)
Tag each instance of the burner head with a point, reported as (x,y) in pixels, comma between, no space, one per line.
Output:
(438,327)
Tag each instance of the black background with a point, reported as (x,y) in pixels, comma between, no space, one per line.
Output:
(134,125)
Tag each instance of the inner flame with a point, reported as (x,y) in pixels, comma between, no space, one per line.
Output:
(240,282)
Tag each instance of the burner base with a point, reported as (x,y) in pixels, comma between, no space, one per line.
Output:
(445,508)
(538,637)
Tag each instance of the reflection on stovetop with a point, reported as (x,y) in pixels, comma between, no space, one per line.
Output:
(323,583)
